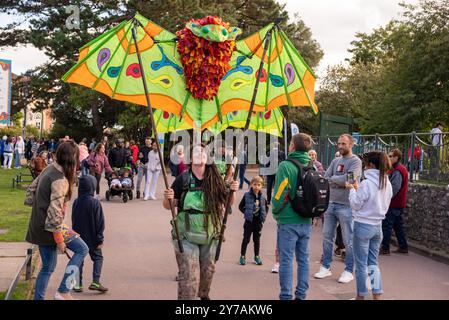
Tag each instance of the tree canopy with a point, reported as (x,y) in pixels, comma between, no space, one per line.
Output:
(81,112)
(397,79)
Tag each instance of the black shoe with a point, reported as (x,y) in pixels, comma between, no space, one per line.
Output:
(138,194)
(205,298)
(384,252)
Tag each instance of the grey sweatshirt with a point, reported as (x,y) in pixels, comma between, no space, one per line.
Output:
(337,176)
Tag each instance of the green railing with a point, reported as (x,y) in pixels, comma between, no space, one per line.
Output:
(423,159)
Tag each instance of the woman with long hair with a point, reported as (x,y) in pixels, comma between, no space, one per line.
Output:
(98,162)
(370,202)
(199,220)
(48,195)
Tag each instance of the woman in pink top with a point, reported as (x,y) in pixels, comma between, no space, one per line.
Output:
(98,162)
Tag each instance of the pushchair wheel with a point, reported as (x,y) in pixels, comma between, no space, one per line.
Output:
(125,197)
(108,195)
(130,194)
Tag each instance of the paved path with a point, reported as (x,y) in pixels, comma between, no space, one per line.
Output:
(140,262)
(12,256)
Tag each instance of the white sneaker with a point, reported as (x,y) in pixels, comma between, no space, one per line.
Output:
(323,273)
(58,296)
(346,277)
(275,268)
(153,198)
(146,198)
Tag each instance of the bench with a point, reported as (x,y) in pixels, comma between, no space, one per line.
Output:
(23,177)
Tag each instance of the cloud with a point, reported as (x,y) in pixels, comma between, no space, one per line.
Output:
(334,23)
(23,58)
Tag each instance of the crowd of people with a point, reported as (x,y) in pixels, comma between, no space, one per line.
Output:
(366,201)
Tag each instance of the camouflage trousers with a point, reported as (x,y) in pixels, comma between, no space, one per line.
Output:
(195,257)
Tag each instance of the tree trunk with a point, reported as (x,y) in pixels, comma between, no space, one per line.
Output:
(96,119)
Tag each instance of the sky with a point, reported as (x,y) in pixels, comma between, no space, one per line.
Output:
(333,24)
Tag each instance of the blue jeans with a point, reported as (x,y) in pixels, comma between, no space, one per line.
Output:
(49,256)
(293,239)
(17,157)
(71,274)
(366,243)
(393,221)
(338,213)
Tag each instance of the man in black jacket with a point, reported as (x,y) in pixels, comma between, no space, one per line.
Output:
(117,155)
(88,221)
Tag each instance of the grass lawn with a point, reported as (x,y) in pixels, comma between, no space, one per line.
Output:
(14,215)
(20,293)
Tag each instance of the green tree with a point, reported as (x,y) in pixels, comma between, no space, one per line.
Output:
(397,79)
(80,112)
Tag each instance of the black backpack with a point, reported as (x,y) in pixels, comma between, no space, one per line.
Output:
(311,198)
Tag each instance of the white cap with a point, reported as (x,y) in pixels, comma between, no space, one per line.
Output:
(4,138)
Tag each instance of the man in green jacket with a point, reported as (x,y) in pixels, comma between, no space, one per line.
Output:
(293,231)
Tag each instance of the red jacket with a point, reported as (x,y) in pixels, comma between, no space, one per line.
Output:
(135,153)
(400,200)
(416,153)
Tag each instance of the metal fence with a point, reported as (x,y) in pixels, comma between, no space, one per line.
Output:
(423,159)
(27,265)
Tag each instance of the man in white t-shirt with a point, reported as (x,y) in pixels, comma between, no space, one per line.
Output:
(437,137)
(437,142)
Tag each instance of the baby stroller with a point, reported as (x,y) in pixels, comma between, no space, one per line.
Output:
(121,183)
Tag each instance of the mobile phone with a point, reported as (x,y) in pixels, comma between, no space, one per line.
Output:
(350,177)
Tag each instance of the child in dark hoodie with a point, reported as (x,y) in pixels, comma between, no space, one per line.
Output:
(254,207)
(88,221)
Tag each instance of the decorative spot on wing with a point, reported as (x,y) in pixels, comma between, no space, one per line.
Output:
(113,72)
(268,115)
(237,84)
(289,73)
(102,57)
(233,114)
(239,68)
(166,115)
(164,81)
(165,62)
(276,80)
(133,70)
(263,78)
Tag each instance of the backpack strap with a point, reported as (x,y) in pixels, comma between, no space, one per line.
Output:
(300,180)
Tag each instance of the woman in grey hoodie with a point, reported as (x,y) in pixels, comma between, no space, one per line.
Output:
(369,203)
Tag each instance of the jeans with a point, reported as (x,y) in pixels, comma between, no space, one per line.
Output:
(270,185)
(84,170)
(393,221)
(7,160)
(151,183)
(141,172)
(255,229)
(338,213)
(293,239)
(72,271)
(49,256)
(17,157)
(366,243)
(242,177)
(97,257)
